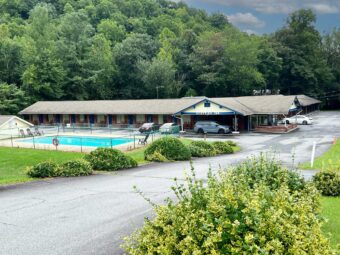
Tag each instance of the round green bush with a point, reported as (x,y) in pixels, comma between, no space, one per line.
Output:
(170,147)
(228,217)
(43,170)
(266,170)
(202,149)
(222,147)
(109,160)
(328,183)
(75,168)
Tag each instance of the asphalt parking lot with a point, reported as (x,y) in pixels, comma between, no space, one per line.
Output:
(90,215)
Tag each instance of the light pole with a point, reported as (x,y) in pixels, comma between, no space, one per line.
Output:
(157,88)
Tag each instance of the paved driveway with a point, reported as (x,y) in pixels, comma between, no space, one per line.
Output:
(90,215)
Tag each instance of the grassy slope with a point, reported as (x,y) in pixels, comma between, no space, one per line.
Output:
(329,160)
(14,161)
(331,211)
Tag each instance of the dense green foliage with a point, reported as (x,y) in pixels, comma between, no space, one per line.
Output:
(78,167)
(43,170)
(170,148)
(113,49)
(71,168)
(15,161)
(223,147)
(202,149)
(328,183)
(237,214)
(108,159)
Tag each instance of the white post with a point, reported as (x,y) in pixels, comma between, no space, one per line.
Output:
(182,124)
(313,154)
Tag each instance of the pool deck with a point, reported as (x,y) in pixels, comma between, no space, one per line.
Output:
(74,148)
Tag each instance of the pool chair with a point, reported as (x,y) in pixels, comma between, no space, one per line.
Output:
(37,132)
(144,140)
(29,132)
(22,133)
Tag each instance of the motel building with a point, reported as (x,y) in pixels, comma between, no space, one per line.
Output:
(241,113)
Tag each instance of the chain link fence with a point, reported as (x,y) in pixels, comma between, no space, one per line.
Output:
(79,138)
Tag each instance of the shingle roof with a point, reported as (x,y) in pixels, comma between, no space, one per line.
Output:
(248,105)
(143,106)
(306,100)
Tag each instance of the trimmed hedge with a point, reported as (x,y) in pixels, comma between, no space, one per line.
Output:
(202,149)
(170,148)
(328,183)
(108,159)
(222,147)
(75,168)
(43,170)
(249,216)
(68,169)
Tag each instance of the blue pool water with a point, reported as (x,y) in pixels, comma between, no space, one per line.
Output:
(80,141)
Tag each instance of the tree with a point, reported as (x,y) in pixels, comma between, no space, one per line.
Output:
(111,30)
(74,45)
(304,66)
(127,54)
(12,99)
(43,73)
(101,69)
(10,56)
(270,65)
(225,63)
(159,76)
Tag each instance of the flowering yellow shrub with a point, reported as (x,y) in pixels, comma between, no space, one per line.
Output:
(245,217)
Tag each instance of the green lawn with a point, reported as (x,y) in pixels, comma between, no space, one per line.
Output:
(14,161)
(329,160)
(331,211)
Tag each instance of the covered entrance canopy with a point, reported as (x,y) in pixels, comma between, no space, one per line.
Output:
(207,109)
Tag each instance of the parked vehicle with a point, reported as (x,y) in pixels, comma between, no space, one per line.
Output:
(211,127)
(148,127)
(169,128)
(298,119)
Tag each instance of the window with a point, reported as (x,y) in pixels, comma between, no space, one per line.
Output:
(120,119)
(81,117)
(140,118)
(66,118)
(160,119)
(207,104)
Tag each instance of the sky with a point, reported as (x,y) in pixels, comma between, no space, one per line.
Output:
(266,16)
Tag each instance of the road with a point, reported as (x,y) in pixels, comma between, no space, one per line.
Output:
(90,215)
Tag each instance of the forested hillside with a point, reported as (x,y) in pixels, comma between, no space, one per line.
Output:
(115,49)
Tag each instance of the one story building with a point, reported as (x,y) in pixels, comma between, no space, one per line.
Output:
(242,113)
(10,125)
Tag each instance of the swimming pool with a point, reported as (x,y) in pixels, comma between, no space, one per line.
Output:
(91,141)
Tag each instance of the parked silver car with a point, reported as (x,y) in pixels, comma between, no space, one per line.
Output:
(211,127)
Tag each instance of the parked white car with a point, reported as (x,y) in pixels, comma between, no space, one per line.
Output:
(298,119)
(169,128)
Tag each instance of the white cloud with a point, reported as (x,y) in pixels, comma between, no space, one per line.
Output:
(246,19)
(281,6)
(324,8)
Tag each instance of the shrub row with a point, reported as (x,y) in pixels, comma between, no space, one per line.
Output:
(256,208)
(100,159)
(67,169)
(172,149)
